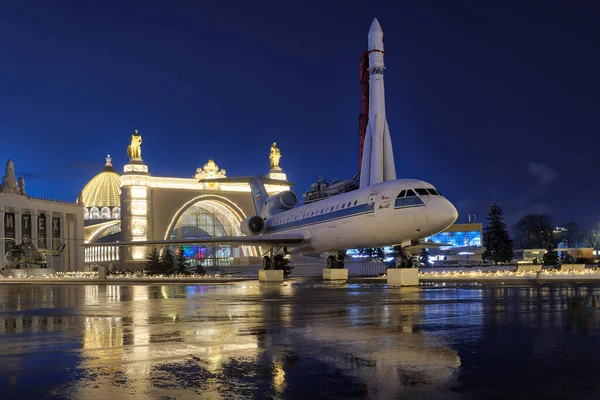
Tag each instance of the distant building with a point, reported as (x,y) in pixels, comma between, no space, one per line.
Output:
(464,245)
(53,227)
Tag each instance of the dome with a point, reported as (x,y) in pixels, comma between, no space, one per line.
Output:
(103,190)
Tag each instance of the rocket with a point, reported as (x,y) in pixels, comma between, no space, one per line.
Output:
(377,157)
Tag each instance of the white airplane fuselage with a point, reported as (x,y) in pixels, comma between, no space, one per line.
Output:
(370,217)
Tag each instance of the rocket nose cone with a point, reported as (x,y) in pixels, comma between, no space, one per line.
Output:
(375,27)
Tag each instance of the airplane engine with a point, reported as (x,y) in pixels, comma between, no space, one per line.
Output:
(252,225)
(281,201)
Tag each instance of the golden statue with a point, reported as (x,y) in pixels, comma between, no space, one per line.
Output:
(134,150)
(275,156)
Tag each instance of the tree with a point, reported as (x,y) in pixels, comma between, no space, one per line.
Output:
(168,261)
(180,263)
(498,244)
(571,235)
(425,258)
(534,231)
(550,258)
(153,263)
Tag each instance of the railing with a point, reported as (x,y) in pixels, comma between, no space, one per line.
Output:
(354,269)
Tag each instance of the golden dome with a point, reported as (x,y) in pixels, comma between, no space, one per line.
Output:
(103,190)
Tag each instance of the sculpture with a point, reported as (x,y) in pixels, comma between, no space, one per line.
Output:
(275,156)
(22,184)
(134,150)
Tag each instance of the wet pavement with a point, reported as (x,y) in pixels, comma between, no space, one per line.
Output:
(303,339)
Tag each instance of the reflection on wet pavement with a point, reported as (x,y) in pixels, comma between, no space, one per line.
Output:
(302,339)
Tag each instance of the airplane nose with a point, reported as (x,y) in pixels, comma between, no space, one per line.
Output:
(444,214)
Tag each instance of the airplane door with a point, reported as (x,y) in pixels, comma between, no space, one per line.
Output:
(371,204)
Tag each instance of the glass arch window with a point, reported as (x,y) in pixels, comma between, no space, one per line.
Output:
(209,218)
(116,212)
(86,213)
(94,213)
(105,213)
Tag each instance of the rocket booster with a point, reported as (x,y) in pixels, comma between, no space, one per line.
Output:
(378,156)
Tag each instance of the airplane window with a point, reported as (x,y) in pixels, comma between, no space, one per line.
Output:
(349,203)
(438,192)
(432,192)
(402,193)
(422,192)
(355,201)
(343,205)
(410,193)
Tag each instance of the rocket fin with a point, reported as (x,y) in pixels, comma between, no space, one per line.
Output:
(377,151)
(389,165)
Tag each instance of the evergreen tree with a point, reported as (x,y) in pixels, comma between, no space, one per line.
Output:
(168,261)
(153,264)
(551,258)
(497,243)
(425,258)
(180,263)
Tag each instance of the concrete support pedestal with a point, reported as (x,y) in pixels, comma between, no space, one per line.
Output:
(270,275)
(335,274)
(572,267)
(403,276)
(529,267)
(101,273)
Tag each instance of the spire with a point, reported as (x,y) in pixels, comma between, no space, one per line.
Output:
(9,182)
(108,161)
(10,169)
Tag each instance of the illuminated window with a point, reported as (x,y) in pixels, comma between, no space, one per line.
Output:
(116,212)
(105,213)
(86,213)
(94,213)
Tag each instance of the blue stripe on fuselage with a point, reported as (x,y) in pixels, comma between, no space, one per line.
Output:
(325,217)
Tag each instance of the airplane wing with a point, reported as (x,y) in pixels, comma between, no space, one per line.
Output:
(258,240)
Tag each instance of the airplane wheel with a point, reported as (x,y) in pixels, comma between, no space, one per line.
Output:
(266,262)
(340,261)
(331,262)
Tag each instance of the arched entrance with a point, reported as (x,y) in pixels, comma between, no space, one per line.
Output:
(209,217)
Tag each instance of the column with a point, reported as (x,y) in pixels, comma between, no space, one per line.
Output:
(2,235)
(49,230)
(18,227)
(63,239)
(34,228)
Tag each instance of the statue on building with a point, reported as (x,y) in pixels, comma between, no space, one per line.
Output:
(275,156)
(22,185)
(9,181)
(134,150)
(210,171)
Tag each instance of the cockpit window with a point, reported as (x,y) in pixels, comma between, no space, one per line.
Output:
(410,193)
(432,192)
(438,192)
(422,192)
(402,194)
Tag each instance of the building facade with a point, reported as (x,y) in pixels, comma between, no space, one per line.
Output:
(53,227)
(159,208)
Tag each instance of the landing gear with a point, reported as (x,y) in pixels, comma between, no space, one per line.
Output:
(403,258)
(266,262)
(336,260)
(277,261)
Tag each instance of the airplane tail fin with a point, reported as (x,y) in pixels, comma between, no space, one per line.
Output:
(259,195)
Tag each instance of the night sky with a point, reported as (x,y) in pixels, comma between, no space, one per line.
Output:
(485,100)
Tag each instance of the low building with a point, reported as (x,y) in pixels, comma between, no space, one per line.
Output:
(53,227)
(464,245)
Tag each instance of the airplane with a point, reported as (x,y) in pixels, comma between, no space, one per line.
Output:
(399,212)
